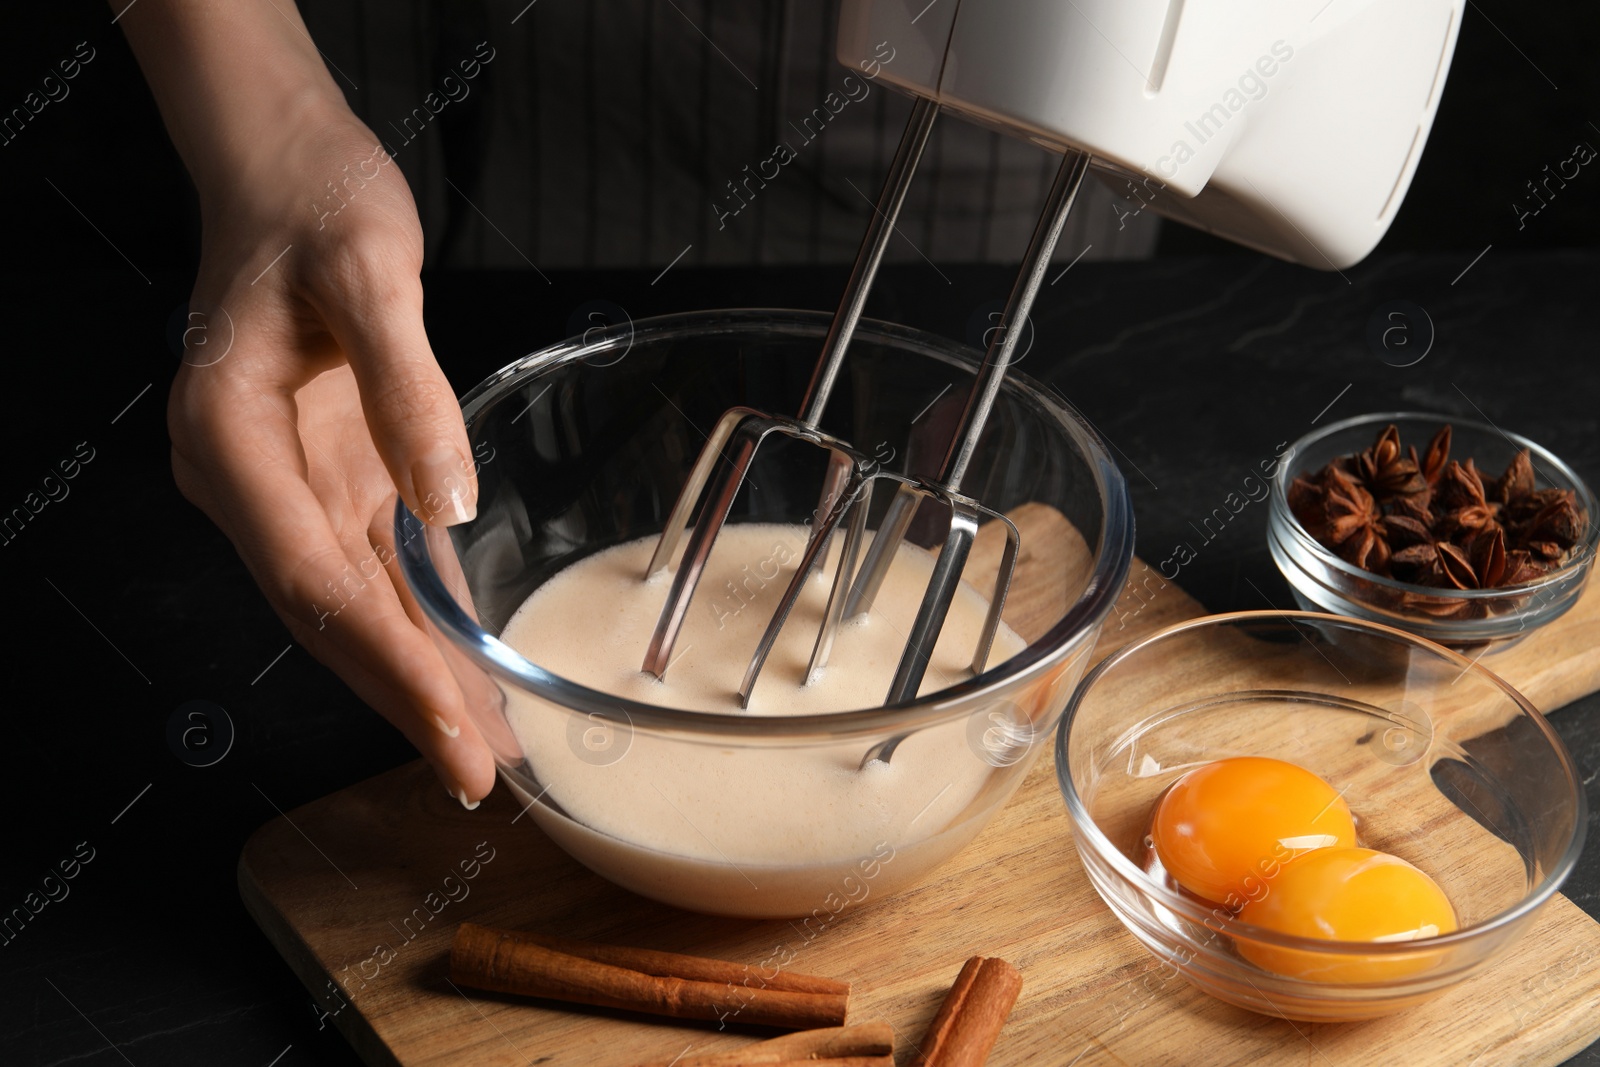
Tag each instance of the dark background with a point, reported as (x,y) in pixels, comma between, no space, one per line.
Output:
(126,603)
(1524,87)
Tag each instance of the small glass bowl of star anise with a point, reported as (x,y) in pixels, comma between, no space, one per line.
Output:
(1447,528)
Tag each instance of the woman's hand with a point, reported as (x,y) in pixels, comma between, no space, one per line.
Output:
(309,396)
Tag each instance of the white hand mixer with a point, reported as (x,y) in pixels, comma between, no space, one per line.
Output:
(1290,127)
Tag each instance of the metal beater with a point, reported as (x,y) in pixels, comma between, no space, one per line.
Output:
(851,475)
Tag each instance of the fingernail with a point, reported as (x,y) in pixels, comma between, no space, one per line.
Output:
(460,794)
(445,493)
(445,728)
(453,788)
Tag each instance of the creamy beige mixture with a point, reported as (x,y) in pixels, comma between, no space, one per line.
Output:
(705,825)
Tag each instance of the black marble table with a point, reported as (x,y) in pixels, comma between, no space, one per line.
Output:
(126,604)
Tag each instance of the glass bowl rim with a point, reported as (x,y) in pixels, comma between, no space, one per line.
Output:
(1082,619)
(1087,830)
(1582,558)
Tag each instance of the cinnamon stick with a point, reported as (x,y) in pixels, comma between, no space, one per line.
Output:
(508,961)
(969,1020)
(696,968)
(830,1061)
(865,1045)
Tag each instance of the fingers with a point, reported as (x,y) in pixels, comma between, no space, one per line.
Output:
(458,756)
(335,597)
(461,763)
(369,293)
(482,697)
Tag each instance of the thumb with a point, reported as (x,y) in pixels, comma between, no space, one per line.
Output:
(411,411)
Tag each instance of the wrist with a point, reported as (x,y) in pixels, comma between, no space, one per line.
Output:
(238,85)
(266,144)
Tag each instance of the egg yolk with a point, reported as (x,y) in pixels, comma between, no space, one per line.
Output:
(1348,894)
(1225,831)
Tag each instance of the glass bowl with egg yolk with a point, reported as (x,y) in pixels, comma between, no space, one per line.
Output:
(670,789)
(1428,758)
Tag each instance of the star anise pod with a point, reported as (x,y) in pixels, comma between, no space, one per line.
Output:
(1308,498)
(1367,549)
(1350,464)
(1386,470)
(1548,551)
(1352,522)
(1459,486)
(1516,482)
(1482,566)
(1305,496)
(1436,458)
(1431,466)
(1456,566)
(1404,531)
(1442,607)
(1418,564)
(1488,555)
(1558,521)
(1463,509)
(1414,507)
(1526,507)
(1347,506)
(1523,567)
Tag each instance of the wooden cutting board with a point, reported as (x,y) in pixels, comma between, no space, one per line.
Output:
(361,892)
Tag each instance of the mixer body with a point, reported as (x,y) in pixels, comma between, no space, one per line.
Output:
(1289,126)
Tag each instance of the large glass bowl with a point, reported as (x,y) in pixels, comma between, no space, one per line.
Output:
(1441,762)
(1459,618)
(585,445)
